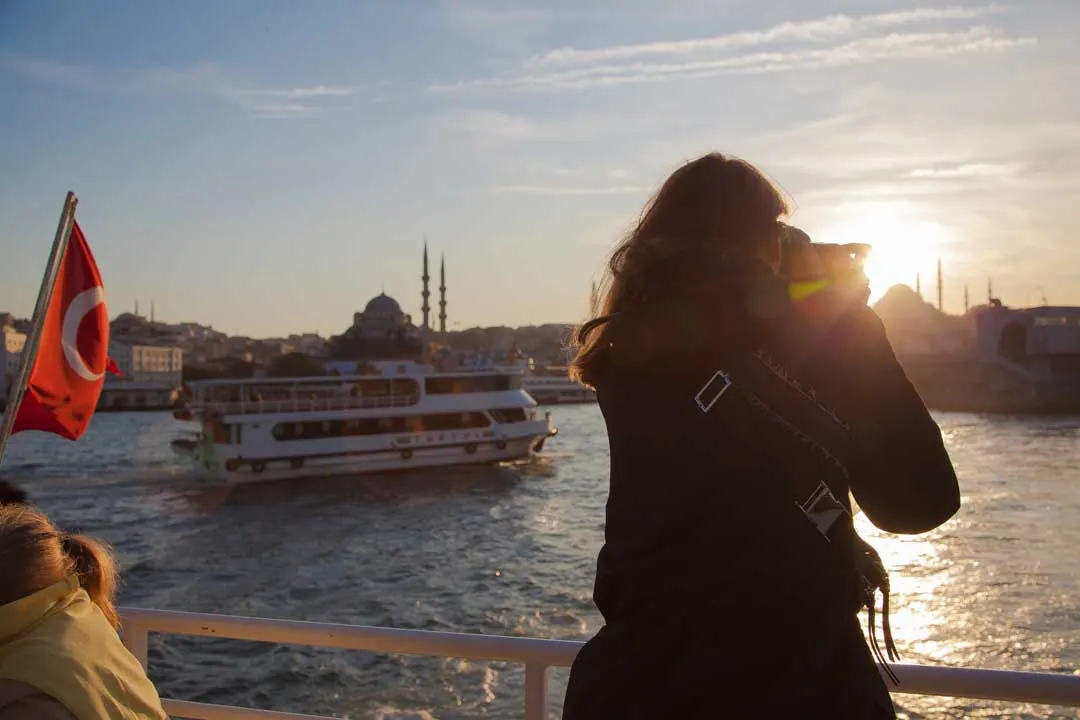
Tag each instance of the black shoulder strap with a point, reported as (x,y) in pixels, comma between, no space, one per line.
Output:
(767,386)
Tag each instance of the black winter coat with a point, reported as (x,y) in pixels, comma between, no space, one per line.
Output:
(720,598)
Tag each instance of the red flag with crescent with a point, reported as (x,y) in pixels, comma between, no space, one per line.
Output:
(72,357)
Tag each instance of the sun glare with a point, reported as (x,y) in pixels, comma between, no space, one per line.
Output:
(904,245)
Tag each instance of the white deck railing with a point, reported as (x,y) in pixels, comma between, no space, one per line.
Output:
(536,655)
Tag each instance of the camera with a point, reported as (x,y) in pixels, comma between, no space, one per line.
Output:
(840,266)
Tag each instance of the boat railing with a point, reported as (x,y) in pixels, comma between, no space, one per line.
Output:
(302,405)
(535,654)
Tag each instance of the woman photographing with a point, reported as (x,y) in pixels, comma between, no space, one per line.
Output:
(741,409)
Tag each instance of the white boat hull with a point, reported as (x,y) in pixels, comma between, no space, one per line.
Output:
(212,462)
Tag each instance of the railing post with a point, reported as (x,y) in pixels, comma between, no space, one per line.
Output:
(137,640)
(536,692)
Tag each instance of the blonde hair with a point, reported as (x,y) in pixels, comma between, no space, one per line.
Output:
(35,555)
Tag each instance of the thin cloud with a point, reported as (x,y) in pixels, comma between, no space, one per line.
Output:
(884,47)
(313,91)
(892,47)
(284,111)
(971,170)
(52,72)
(492,127)
(820,30)
(502,26)
(489,128)
(961,164)
(202,79)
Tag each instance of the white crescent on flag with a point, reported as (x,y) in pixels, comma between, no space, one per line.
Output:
(81,305)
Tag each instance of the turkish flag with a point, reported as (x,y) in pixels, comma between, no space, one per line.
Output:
(73,354)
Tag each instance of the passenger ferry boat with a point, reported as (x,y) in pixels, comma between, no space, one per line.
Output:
(557,390)
(270,428)
(552,385)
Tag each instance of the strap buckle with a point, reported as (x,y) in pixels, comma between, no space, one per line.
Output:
(823,509)
(712,391)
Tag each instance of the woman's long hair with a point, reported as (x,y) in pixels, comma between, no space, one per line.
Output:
(35,555)
(714,207)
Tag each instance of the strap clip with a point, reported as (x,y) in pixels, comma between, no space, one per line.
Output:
(823,509)
(712,391)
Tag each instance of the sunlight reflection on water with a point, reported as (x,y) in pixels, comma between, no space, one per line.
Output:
(997,586)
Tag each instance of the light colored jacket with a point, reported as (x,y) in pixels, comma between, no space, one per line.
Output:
(59,642)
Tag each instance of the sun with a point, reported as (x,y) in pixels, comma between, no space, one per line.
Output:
(905,246)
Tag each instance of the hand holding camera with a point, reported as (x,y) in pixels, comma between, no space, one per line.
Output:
(824,267)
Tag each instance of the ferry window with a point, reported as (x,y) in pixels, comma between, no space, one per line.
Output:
(475,420)
(404,386)
(440,385)
(221,433)
(1048,321)
(462,384)
(276,393)
(370,388)
(453,421)
(381,426)
(509,415)
(1062,364)
(339,428)
(508,382)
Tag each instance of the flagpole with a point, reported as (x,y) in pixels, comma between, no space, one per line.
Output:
(29,353)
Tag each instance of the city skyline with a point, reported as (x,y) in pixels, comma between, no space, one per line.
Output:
(267,169)
(932,297)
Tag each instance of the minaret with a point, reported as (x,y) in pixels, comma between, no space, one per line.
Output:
(918,285)
(940,288)
(989,290)
(967,302)
(425,293)
(136,307)
(151,311)
(442,294)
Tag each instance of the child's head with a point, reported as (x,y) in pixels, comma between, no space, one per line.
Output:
(35,555)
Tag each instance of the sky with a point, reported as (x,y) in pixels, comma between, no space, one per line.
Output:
(266,167)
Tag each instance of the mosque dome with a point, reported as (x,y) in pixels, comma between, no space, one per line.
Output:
(383,305)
